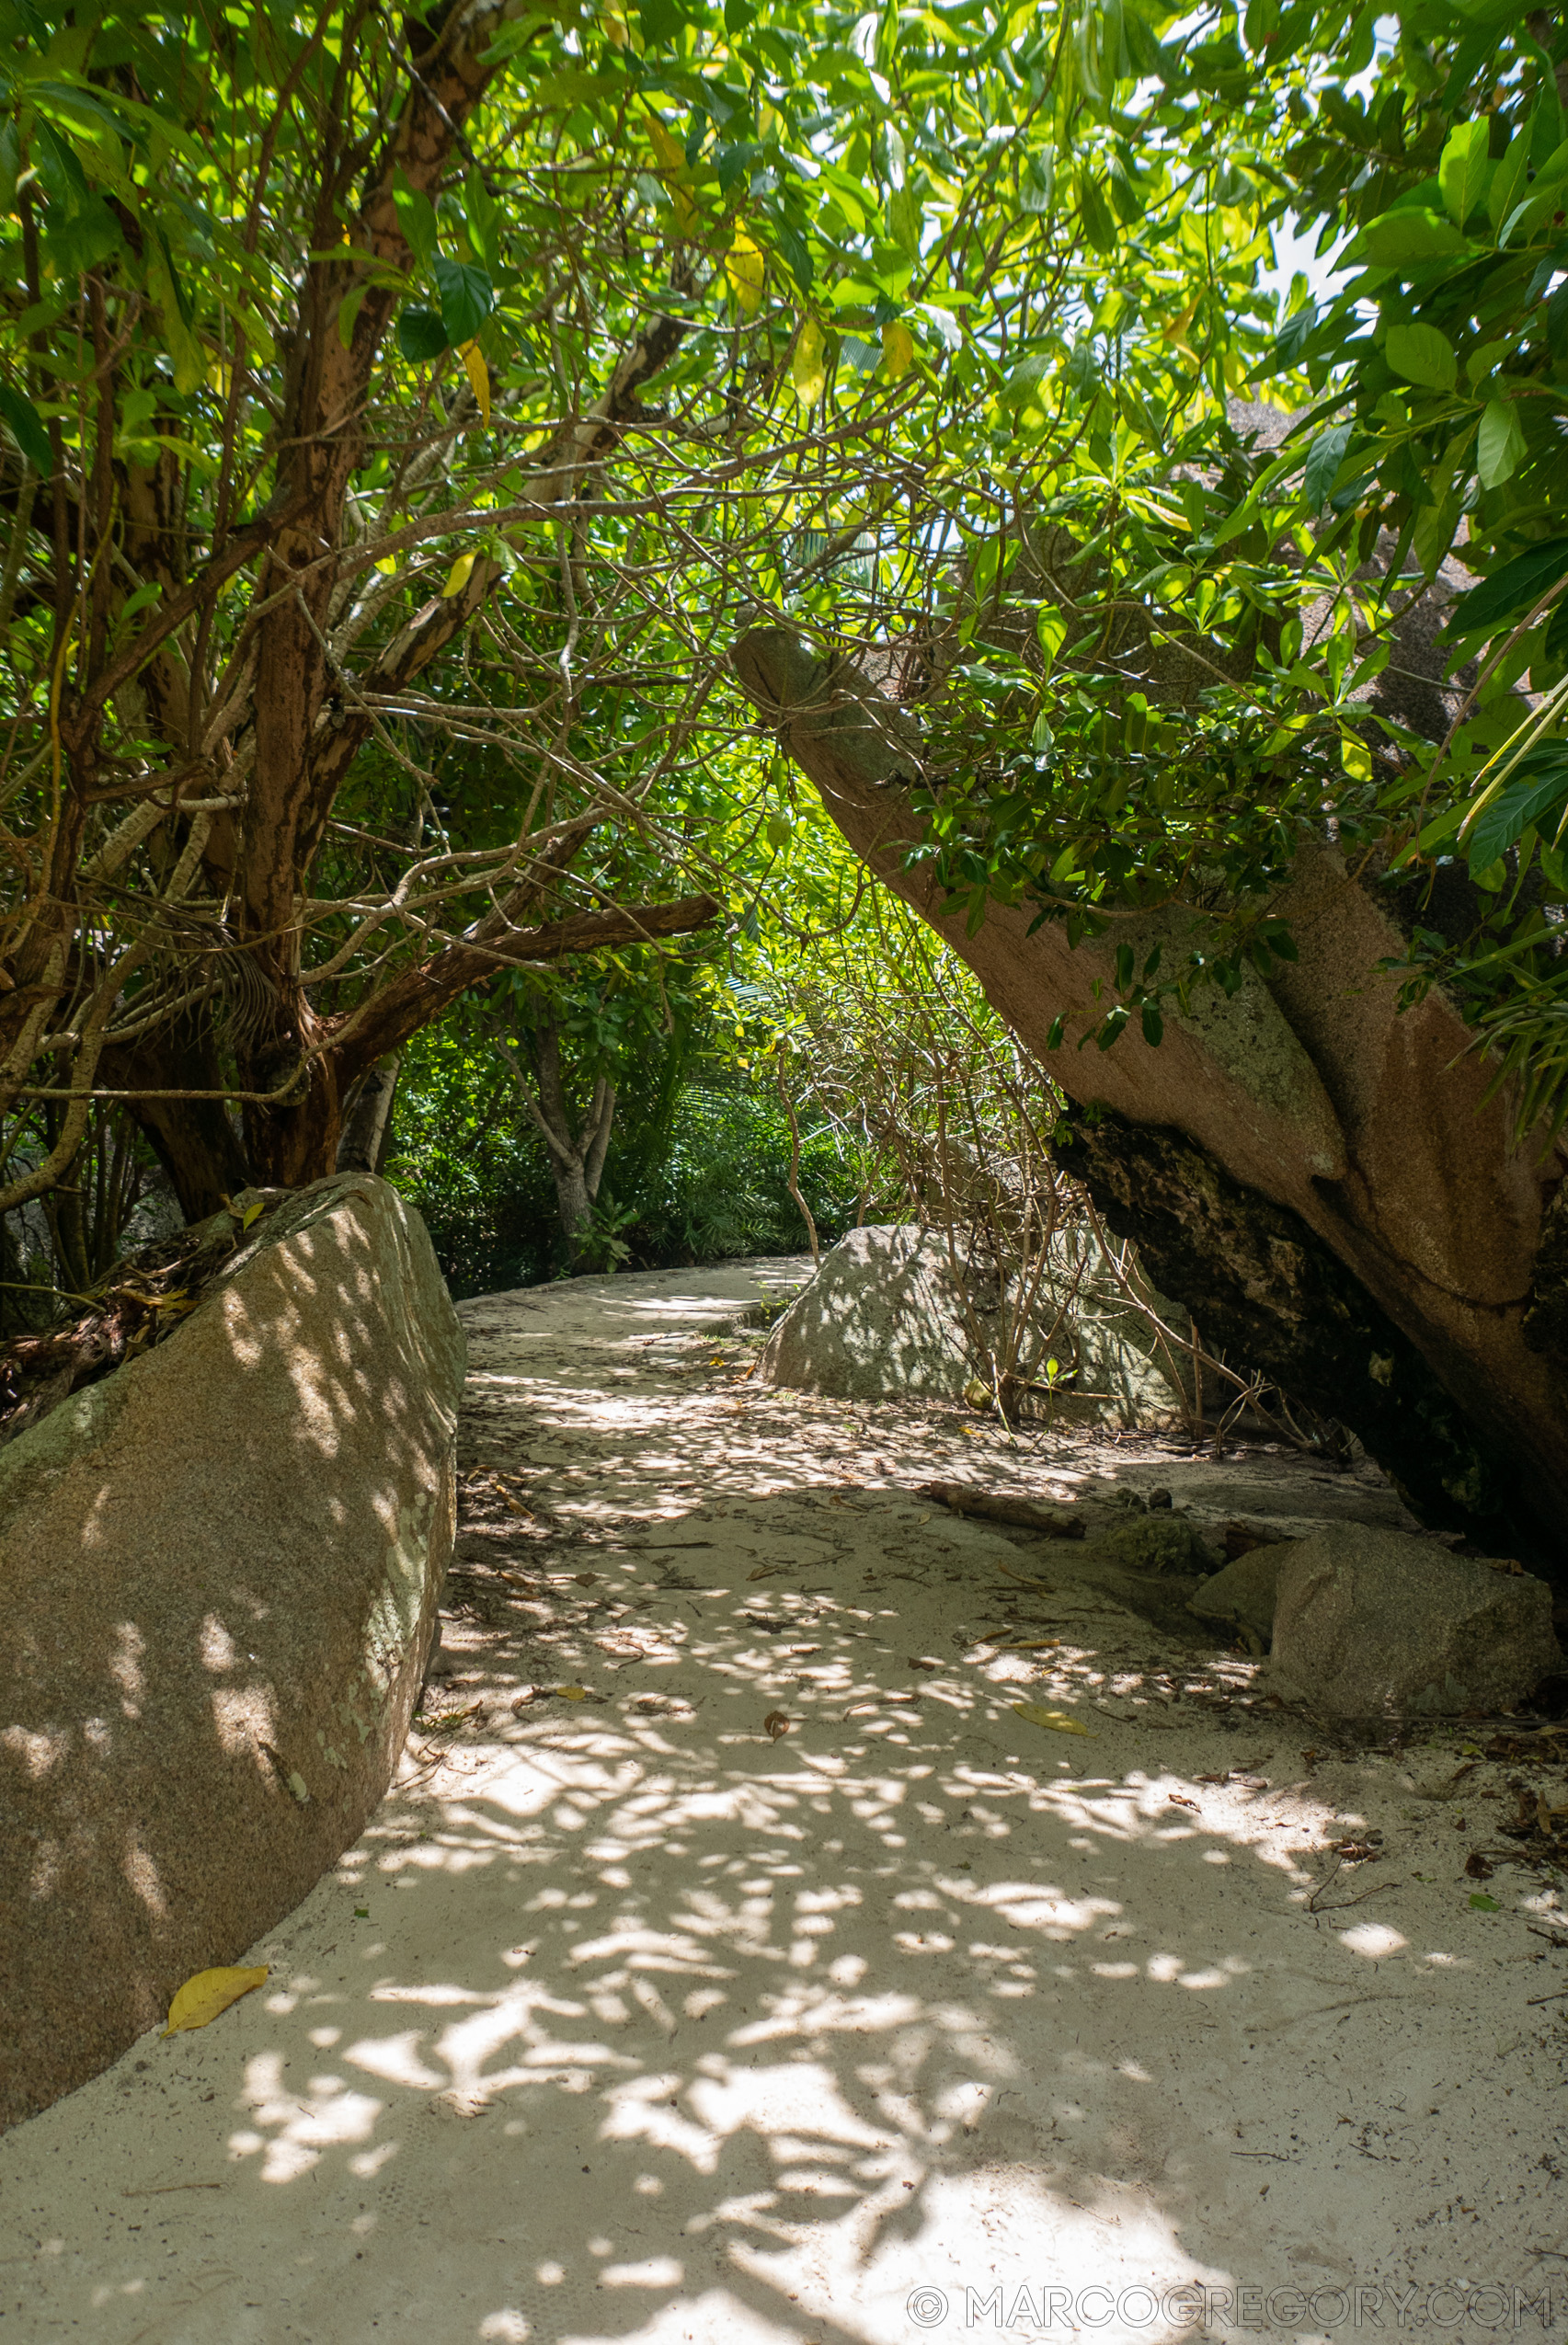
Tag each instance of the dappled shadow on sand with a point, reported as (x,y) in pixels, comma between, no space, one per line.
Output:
(628,2020)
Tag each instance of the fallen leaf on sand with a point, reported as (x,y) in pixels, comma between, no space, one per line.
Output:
(774,1724)
(1057,1721)
(572,1693)
(202,1998)
(767,1571)
(1025,1644)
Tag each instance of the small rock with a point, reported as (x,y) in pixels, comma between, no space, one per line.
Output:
(1245,1591)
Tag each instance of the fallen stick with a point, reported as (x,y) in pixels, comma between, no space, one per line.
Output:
(964,1499)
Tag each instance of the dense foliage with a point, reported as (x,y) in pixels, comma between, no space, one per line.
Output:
(404,415)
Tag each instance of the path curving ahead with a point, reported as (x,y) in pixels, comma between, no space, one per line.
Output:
(630,2019)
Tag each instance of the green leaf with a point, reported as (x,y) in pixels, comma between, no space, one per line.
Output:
(1324,460)
(1421,355)
(1405,240)
(422,336)
(1483,1903)
(1539,786)
(467,298)
(1154,1025)
(26,429)
(1036,182)
(1509,592)
(1095,213)
(1504,193)
(416,218)
(904,221)
(1500,443)
(1462,172)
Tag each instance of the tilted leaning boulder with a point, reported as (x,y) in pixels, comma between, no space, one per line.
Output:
(220,1569)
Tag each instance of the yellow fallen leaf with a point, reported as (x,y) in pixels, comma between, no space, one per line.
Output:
(808,371)
(202,1998)
(457,576)
(572,1693)
(1059,1722)
(897,351)
(1025,1644)
(478,374)
(743,267)
(253,1212)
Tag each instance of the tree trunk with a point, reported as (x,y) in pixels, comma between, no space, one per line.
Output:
(1320,1177)
(576,1155)
(367,1118)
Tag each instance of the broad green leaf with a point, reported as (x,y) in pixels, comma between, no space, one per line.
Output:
(1538,787)
(903,213)
(416,218)
(348,313)
(1324,460)
(743,268)
(1405,240)
(1499,444)
(26,429)
(1036,181)
(467,297)
(1421,354)
(422,336)
(1099,225)
(1462,172)
(1509,592)
(1504,193)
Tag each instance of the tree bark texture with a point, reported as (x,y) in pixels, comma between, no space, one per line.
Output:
(1319,1176)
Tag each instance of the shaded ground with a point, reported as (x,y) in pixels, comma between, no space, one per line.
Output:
(631,2019)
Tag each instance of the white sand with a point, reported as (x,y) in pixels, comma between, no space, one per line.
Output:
(654,2027)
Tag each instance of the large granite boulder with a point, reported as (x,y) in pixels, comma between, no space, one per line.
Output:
(220,1569)
(1371,1624)
(893,1314)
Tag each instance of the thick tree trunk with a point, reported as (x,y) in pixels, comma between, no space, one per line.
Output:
(1320,1177)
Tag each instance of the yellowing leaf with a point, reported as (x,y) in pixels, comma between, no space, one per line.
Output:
(457,576)
(897,351)
(387,566)
(614,24)
(253,1212)
(808,371)
(202,1998)
(478,374)
(572,1693)
(667,148)
(743,267)
(672,166)
(1057,1721)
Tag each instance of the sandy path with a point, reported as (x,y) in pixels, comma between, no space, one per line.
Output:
(628,2021)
